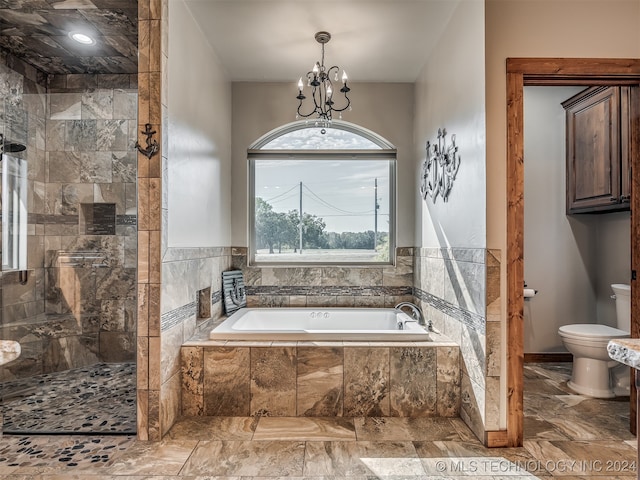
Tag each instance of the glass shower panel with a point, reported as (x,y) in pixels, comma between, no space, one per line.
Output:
(69,261)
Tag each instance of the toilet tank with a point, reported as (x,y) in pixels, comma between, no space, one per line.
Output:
(623,305)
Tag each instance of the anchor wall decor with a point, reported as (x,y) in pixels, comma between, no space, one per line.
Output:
(440,168)
(152,145)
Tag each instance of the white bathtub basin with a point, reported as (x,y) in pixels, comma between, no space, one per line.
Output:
(326,324)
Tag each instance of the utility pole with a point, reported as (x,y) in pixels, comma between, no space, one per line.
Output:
(375,214)
(300,218)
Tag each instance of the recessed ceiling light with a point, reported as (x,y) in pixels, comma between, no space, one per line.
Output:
(82,38)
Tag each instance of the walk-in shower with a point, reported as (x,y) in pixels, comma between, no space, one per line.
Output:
(68,280)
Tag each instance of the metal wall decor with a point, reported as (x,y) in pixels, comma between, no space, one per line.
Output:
(440,167)
(233,291)
(152,145)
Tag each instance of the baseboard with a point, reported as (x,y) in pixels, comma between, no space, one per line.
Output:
(496,439)
(551,357)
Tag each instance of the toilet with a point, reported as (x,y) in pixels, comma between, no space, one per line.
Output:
(594,373)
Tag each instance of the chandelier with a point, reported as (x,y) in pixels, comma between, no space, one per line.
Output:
(322,93)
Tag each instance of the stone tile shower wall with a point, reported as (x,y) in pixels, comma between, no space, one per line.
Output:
(78,306)
(460,290)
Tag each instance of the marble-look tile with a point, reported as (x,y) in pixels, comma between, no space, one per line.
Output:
(351,276)
(366,381)
(227,383)
(537,428)
(166,457)
(448,381)
(342,459)
(81,135)
(305,429)
(246,459)
(112,135)
(170,403)
(595,458)
(412,378)
(380,429)
(493,348)
(472,405)
(473,459)
(292,276)
(273,381)
(214,428)
(465,285)
(192,368)
(399,275)
(320,381)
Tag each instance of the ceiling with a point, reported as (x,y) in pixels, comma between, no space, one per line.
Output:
(37,31)
(273,40)
(255,40)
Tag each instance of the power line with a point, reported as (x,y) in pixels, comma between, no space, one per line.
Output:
(281,194)
(338,209)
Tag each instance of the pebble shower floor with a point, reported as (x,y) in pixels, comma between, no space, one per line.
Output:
(97,399)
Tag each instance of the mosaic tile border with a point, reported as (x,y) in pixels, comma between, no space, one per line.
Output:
(471,320)
(177,316)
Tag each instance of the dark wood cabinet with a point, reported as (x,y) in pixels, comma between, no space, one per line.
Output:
(598,145)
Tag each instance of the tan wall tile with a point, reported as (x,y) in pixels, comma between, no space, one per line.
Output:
(273,381)
(227,382)
(366,382)
(412,377)
(320,381)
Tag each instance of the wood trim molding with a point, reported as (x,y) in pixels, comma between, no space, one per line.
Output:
(515,254)
(548,357)
(523,72)
(496,439)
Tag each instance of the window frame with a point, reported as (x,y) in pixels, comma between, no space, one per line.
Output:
(386,151)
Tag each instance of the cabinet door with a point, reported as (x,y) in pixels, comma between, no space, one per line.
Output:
(593,150)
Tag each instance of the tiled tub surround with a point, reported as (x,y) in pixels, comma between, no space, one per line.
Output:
(186,273)
(321,379)
(328,286)
(459,289)
(78,306)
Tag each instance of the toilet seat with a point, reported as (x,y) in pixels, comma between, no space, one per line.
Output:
(591,330)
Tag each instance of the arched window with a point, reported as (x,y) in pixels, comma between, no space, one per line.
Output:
(321,196)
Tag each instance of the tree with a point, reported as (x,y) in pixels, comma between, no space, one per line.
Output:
(271,227)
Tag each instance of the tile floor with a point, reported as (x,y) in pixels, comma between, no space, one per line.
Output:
(566,435)
(100,398)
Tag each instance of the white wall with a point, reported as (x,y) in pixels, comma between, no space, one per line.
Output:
(542,28)
(199,149)
(385,108)
(450,94)
(571,259)
(559,250)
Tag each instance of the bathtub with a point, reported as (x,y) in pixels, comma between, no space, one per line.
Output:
(326,324)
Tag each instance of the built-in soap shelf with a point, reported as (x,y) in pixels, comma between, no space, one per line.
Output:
(82,259)
(233,290)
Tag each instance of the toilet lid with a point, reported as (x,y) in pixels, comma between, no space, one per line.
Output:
(592,330)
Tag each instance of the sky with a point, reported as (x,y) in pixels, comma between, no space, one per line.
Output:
(341,192)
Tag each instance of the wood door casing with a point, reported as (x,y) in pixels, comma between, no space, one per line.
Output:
(523,72)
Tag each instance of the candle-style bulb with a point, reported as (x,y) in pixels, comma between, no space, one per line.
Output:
(344,77)
(329,91)
(316,69)
(300,84)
